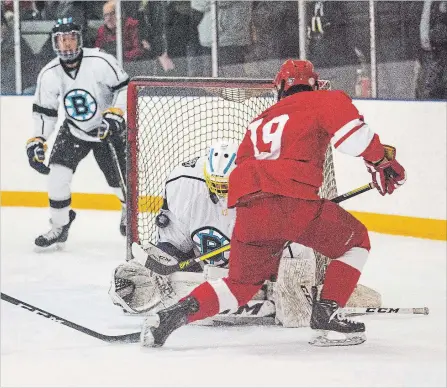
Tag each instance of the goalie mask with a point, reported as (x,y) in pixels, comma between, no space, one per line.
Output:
(67,40)
(221,161)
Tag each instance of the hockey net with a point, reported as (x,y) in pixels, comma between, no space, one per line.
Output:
(173,120)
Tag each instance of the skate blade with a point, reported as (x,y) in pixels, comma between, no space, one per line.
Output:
(146,337)
(322,339)
(56,247)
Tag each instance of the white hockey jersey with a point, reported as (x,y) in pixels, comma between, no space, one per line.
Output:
(98,83)
(195,221)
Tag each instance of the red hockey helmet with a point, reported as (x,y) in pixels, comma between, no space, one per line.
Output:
(296,72)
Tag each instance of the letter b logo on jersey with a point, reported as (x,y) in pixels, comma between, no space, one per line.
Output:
(80,105)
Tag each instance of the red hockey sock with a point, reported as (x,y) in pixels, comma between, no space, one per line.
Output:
(340,281)
(208,302)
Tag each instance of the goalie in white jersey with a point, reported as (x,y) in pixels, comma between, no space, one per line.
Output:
(92,88)
(194,220)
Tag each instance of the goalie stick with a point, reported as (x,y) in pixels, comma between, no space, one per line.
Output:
(124,338)
(154,258)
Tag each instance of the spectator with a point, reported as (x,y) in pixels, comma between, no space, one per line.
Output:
(274,32)
(8,76)
(28,9)
(152,32)
(432,77)
(234,35)
(106,36)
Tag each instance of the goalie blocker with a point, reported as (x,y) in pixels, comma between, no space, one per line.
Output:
(286,301)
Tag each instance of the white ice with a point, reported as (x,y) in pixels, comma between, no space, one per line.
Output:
(401,351)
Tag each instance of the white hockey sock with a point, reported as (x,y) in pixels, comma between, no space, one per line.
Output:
(60,217)
(59,192)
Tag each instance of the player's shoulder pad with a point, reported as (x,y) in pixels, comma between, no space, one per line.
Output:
(192,169)
(54,63)
(97,52)
(48,75)
(339,95)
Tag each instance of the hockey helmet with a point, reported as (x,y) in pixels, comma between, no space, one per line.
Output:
(295,72)
(65,32)
(218,166)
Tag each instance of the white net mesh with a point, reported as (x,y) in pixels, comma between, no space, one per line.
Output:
(177,121)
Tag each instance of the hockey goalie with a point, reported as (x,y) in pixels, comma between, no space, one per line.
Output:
(194,220)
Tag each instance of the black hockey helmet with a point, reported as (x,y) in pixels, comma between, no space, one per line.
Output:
(65,32)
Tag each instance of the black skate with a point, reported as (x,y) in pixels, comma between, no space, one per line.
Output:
(57,235)
(328,320)
(157,328)
(123,222)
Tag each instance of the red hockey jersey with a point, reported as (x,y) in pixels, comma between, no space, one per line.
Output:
(283,149)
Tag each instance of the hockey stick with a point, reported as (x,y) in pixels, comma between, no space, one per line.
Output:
(384,310)
(117,168)
(155,263)
(124,338)
(353,193)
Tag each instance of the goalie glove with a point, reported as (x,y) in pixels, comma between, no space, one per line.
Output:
(136,289)
(112,121)
(35,150)
(387,173)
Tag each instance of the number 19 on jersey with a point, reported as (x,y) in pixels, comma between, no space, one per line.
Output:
(266,138)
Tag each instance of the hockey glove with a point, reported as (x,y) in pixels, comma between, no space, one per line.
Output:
(35,149)
(112,121)
(387,173)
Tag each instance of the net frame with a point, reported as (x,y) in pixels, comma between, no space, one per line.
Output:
(235,90)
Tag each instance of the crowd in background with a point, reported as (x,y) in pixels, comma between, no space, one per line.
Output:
(174,38)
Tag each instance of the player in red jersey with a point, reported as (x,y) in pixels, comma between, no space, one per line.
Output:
(274,188)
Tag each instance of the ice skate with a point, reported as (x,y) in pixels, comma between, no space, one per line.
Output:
(57,236)
(332,328)
(157,328)
(123,222)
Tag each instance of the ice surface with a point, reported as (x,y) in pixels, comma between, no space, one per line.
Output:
(404,351)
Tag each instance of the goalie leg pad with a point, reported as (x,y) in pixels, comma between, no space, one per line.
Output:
(291,292)
(184,282)
(364,297)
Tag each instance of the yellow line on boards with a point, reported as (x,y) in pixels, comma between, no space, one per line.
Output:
(435,229)
(78,200)
(89,201)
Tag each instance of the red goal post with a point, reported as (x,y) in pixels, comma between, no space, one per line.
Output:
(172,120)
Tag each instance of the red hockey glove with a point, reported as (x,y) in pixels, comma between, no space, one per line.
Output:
(387,173)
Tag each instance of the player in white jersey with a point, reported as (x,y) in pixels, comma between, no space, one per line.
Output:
(92,87)
(198,220)
(194,219)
